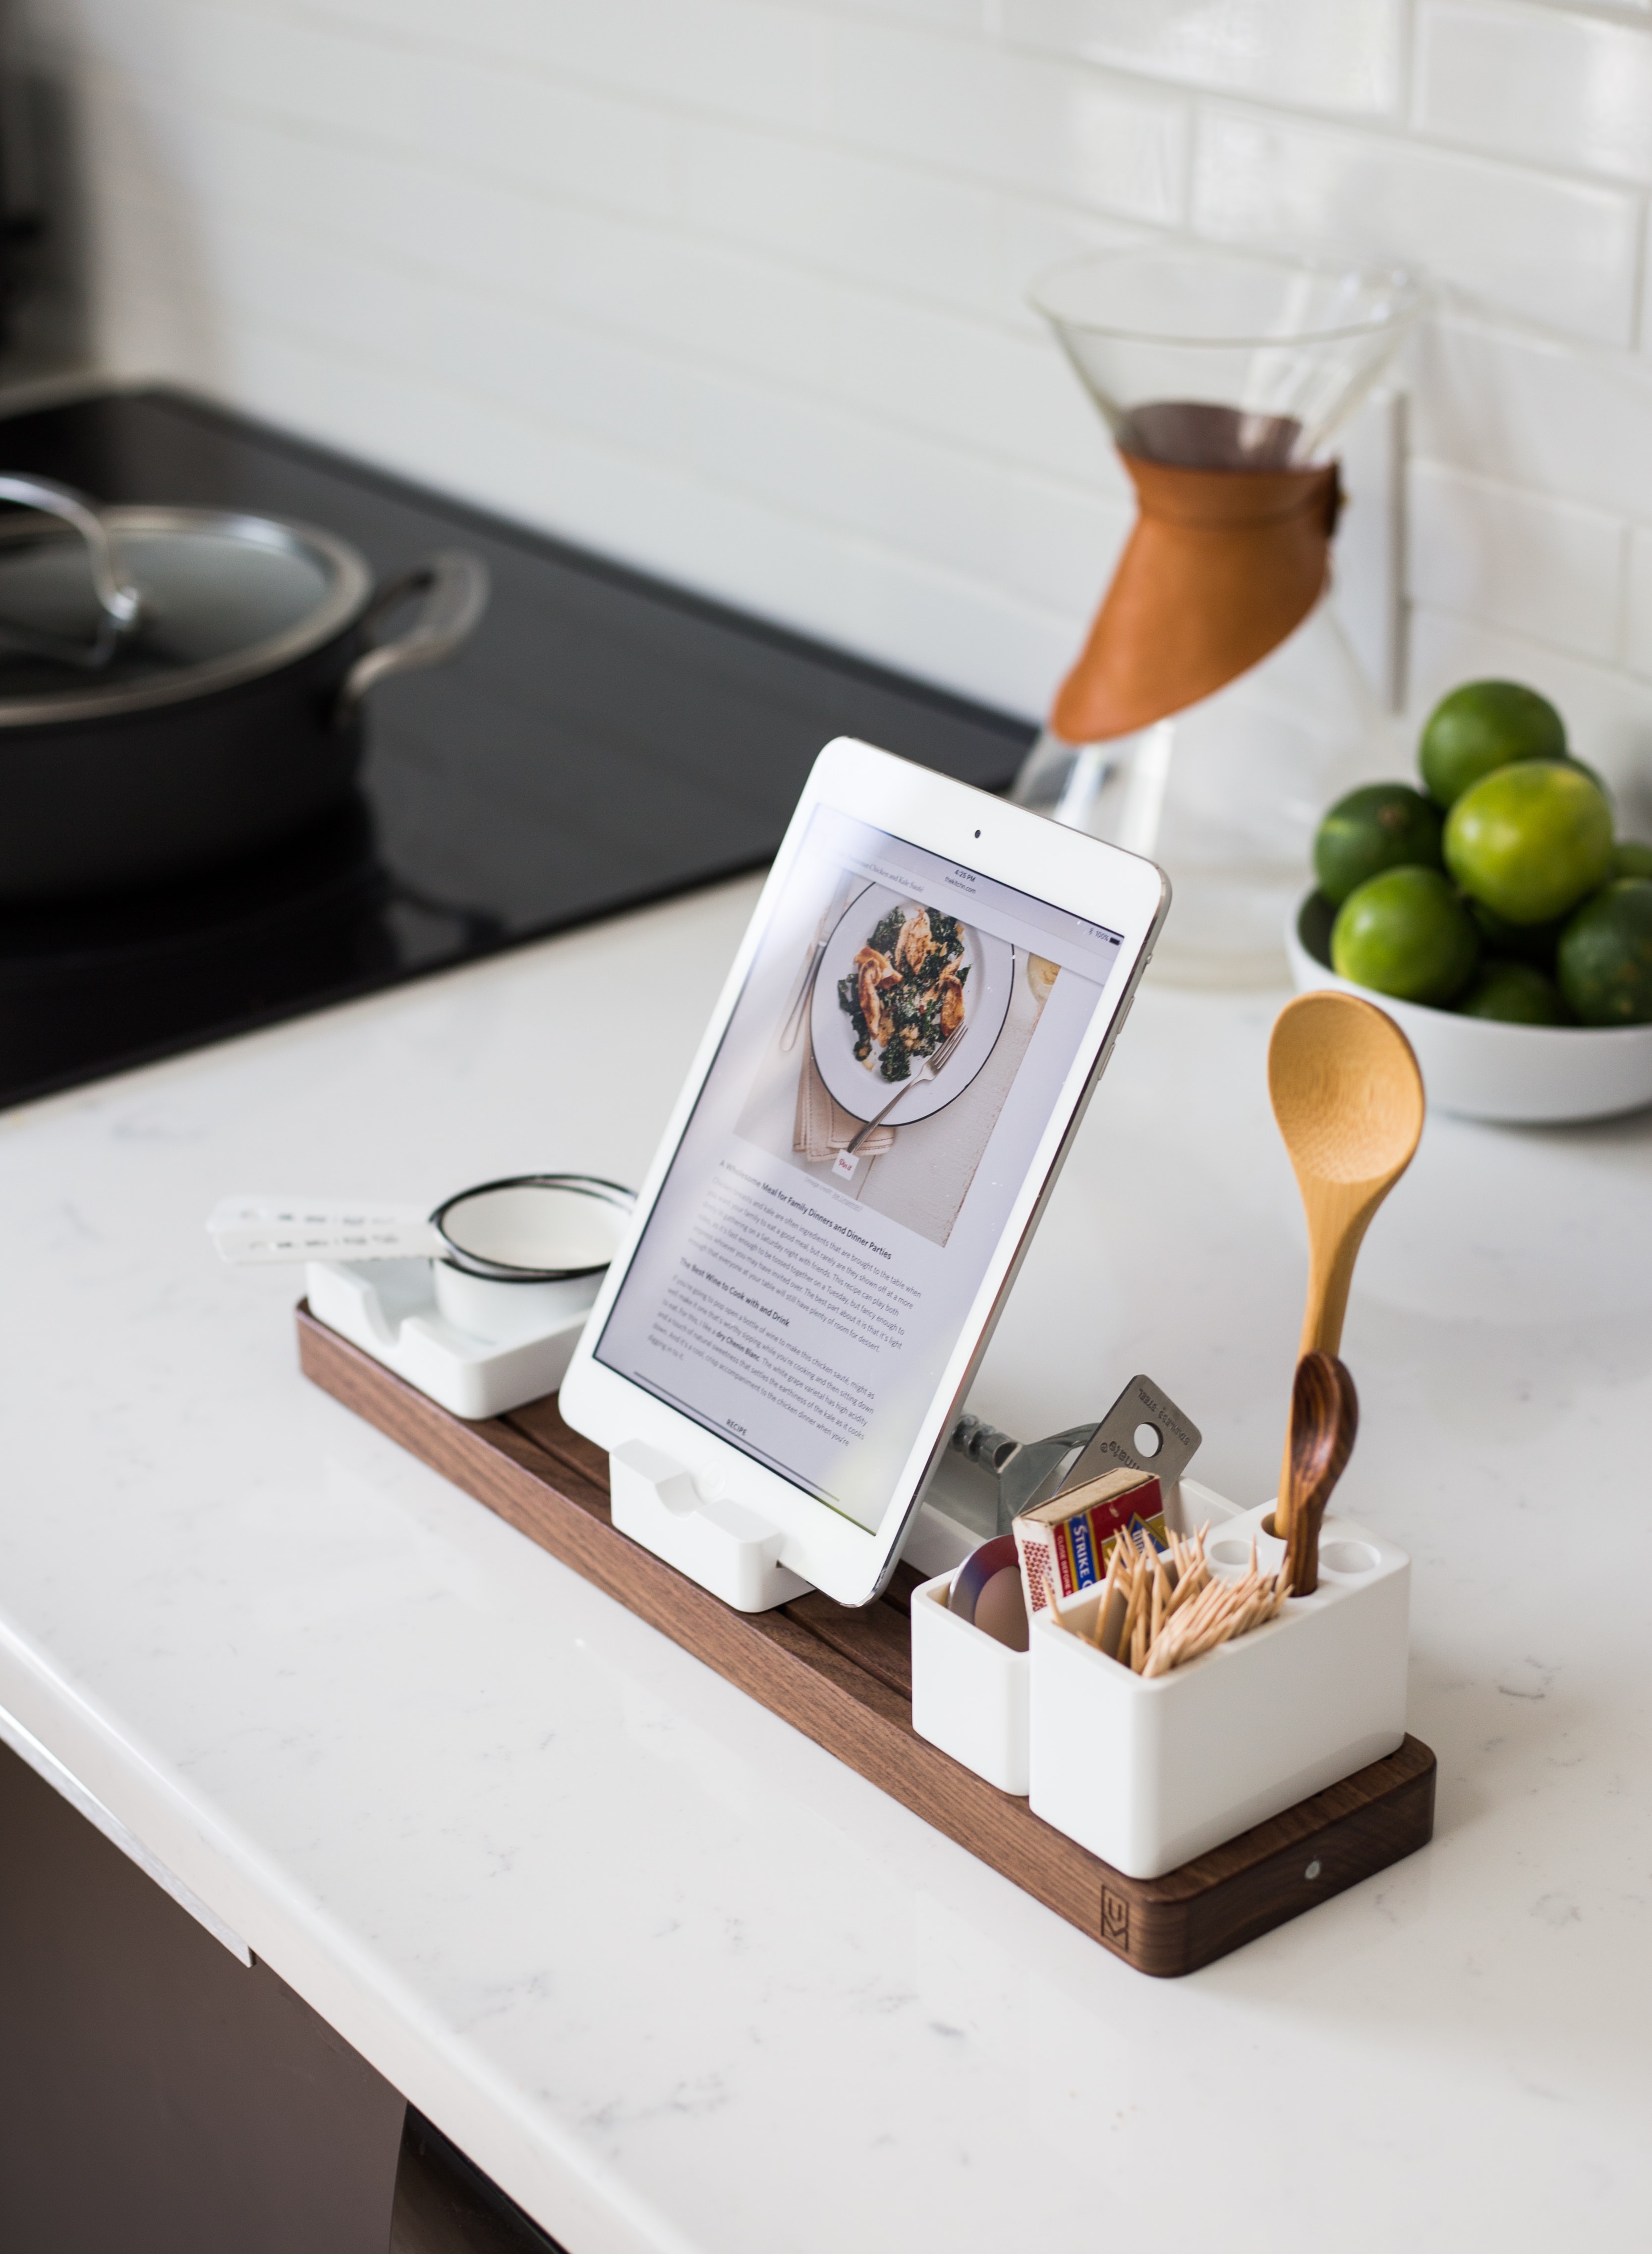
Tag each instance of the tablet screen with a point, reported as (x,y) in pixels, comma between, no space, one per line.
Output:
(846,1176)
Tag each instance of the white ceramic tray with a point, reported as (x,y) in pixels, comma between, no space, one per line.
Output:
(388,1308)
(1531,1075)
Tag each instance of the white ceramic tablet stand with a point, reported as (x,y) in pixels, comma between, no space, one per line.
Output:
(726,1547)
(735,1553)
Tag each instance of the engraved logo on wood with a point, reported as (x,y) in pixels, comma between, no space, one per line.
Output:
(1116,1921)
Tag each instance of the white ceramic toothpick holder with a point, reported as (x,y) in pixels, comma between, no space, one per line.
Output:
(972,1696)
(1148,1773)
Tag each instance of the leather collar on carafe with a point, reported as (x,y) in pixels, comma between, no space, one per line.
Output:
(1222,564)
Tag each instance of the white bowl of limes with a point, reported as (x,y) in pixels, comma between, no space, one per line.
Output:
(1492,915)
(1482,1069)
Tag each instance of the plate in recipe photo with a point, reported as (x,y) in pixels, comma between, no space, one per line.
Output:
(861,1088)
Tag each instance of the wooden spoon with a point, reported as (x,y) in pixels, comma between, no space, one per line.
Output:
(1325,1416)
(1348,1098)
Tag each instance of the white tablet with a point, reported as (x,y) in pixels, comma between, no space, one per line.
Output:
(926,997)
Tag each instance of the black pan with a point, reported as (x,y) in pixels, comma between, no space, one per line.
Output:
(181,686)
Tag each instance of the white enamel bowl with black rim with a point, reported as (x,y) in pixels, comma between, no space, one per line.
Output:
(521,1255)
(1521,1075)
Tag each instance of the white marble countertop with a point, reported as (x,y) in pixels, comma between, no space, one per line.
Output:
(669,1973)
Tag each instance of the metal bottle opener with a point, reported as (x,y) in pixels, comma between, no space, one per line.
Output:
(1144,1431)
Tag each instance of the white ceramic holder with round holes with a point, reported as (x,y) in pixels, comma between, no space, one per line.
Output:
(1149,1773)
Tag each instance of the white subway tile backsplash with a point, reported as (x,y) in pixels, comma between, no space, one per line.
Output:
(1551,250)
(866,219)
(326,78)
(1004,395)
(845,212)
(939,15)
(858,216)
(1525,409)
(1064,543)
(1638,609)
(736,288)
(988,114)
(1332,54)
(503,351)
(1516,560)
(1543,86)
(1011,395)
(1046,541)
(732,58)
(379,200)
(842,469)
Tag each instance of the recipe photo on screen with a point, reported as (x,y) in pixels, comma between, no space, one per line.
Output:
(870,1118)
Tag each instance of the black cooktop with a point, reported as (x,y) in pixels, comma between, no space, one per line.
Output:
(604,739)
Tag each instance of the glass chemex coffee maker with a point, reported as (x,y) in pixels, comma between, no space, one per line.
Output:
(1217,708)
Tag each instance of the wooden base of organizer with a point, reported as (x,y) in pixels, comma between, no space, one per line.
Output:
(844,1678)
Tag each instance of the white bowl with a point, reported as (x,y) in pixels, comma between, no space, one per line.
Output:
(1481,1069)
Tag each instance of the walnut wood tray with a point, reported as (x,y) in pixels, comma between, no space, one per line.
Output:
(844,1679)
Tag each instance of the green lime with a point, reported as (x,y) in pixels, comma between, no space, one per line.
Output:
(1518,993)
(1530,840)
(1405,933)
(1528,942)
(1387,825)
(1571,760)
(1606,956)
(1481,726)
(1631,858)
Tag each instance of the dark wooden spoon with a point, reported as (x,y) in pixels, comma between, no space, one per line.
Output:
(1325,1416)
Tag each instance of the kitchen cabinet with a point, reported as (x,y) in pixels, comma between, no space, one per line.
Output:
(157,2094)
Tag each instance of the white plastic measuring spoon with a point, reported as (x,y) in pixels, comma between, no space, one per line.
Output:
(246,1229)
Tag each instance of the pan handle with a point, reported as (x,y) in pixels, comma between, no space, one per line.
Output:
(455,586)
(118,599)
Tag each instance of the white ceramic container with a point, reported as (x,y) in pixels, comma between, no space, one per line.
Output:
(971,1695)
(1529,1075)
(1147,1773)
